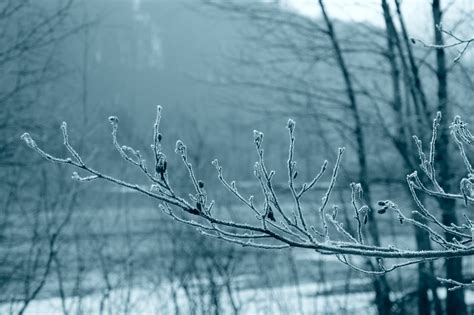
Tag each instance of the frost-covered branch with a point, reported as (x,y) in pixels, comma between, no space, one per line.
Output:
(457,41)
(274,225)
(456,285)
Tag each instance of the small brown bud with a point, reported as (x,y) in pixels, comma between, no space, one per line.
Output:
(382,210)
(270,215)
(161,165)
(194,211)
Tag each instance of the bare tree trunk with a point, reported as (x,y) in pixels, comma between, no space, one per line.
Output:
(426,278)
(382,289)
(214,292)
(296,280)
(455,303)
(421,109)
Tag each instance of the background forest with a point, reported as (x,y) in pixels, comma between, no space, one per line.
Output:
(356,74)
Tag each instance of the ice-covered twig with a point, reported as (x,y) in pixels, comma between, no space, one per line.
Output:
(456,284)
(275,227)
(457,41)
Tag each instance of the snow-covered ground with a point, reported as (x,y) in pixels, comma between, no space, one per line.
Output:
(281,300)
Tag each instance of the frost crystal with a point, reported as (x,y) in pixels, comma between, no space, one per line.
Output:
(180,147)
(75,176)
(291,125)
(258,137)
(28,140)
(114,121)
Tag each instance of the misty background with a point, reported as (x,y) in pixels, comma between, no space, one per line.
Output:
(220,69)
